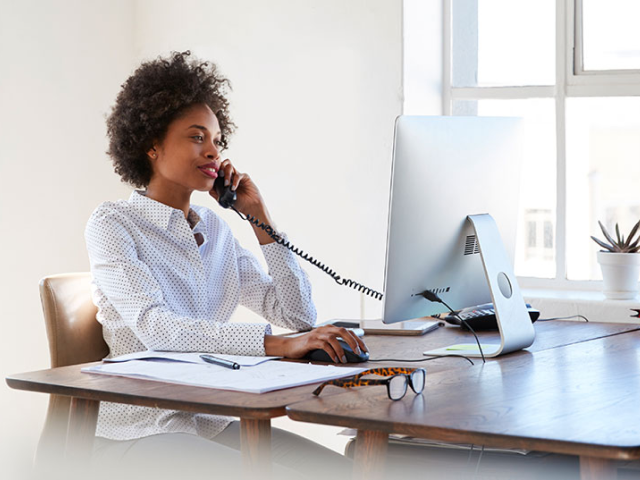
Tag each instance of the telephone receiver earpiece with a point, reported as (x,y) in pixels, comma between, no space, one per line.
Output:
(226,196)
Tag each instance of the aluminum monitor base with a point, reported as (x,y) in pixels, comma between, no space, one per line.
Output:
(514,323)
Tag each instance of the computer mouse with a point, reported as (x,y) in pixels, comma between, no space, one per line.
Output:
(352,357)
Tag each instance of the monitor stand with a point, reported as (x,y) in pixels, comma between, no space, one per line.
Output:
(514,323)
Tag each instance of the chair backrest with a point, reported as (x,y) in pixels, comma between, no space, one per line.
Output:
(75,336)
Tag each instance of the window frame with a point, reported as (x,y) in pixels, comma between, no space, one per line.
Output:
(577,75)
(570,81)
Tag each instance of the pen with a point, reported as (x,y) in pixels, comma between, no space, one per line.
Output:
(220,361)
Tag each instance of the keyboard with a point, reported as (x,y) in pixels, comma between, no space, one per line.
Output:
(481,317)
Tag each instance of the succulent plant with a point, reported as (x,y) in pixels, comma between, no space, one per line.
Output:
(619,245)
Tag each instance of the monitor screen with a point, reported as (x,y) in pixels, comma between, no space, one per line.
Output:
(444,169)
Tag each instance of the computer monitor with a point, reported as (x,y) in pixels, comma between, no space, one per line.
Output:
(452,223)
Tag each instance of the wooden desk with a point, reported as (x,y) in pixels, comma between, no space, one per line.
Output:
(87,390)
(579,399)
(550,334)
(255,411)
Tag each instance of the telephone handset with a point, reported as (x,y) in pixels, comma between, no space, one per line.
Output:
(226,196)
(226,199)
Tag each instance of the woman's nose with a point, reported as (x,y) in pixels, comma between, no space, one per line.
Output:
(212,152)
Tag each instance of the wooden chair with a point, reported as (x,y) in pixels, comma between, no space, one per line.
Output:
(75,337)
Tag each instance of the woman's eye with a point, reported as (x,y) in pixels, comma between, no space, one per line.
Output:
(219,143)
(200,138)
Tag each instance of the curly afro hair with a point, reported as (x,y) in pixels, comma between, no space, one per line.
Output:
(155,95)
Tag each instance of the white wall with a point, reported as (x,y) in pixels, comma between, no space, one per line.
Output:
(423,57)
(61,64)
(317,88)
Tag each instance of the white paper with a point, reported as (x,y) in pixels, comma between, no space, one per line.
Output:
(189,357)
(262,378)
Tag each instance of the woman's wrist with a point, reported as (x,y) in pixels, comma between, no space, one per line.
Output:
(274,346)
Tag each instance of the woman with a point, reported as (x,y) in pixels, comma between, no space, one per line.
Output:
(168,275)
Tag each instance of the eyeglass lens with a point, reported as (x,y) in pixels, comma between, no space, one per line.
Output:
(397,387)
(417,380)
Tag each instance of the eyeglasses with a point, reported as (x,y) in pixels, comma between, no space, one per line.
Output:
(397,381)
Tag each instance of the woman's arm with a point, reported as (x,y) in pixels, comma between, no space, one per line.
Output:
(283,296)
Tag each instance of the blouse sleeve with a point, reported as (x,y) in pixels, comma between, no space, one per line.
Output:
(283,295)
(136,295)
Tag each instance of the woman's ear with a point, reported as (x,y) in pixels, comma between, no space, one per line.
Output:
(153,153)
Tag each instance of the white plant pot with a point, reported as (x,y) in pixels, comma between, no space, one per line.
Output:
(620,272)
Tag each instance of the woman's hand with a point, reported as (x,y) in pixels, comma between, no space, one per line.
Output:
(249,199)
(324,338)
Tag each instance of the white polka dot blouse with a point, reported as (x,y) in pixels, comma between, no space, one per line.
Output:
(165,282)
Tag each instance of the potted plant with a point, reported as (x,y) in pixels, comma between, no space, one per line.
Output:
(620,263)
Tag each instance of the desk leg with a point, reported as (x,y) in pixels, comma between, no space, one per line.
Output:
(83,417)
(370,456)
(592,468)
(255,444)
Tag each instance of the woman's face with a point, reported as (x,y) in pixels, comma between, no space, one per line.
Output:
(188,158)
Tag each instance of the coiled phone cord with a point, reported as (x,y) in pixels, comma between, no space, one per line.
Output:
(285,243)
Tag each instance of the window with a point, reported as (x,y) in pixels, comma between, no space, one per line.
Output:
(610,37)
(571,70)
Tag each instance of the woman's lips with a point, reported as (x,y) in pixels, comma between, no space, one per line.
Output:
(209,172)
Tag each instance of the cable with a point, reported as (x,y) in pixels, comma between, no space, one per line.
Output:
(464,322)
(478,464)
(433,297)
(435,357)
(470,454)
(285,243)
(563,318)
